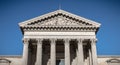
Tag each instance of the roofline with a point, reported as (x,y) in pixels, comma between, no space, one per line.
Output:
(59,11)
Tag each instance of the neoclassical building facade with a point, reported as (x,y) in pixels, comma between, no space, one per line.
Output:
(59,38)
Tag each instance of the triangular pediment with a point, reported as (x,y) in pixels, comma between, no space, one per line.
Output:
(58,21)
(59,18)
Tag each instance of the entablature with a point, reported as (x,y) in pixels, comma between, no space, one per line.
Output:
(60,28)
(59,33)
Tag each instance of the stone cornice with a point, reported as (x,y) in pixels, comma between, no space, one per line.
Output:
(59,28)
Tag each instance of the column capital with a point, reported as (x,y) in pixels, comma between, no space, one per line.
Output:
(26,40)
(94,40)
(80,40)
(67,40)
(39,40)
(53,41)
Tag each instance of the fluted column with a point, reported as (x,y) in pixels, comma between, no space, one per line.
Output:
(39,53)
(80,52)
(25,52)
(53,52)
(67,52)
(94,52)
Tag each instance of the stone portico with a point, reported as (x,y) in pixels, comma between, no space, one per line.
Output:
(59,38)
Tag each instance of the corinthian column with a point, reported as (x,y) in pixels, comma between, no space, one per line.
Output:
(25,52)
(94,53)
(39,53)
(67,52)
(80,52)
(53,52)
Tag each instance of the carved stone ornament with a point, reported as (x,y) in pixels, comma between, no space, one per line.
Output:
(59,20)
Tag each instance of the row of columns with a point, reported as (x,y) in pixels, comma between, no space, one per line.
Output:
(93,55)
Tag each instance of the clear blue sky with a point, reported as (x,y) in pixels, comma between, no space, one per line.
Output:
(106,12)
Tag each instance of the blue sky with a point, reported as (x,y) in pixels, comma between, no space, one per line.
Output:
(106,12)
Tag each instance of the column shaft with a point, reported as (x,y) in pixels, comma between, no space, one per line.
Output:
(25,52)
(67,52)
(39,53)
(80,53)
(94,53)
(90,57)
(53,52)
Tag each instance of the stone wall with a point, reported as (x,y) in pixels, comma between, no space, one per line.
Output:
(103,60)
(15,60)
